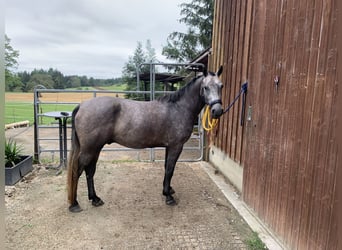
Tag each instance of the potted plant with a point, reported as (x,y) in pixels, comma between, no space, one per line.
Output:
(17,165)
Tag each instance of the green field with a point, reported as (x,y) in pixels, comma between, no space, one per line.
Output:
(21,111)
(19,106)
(116,87)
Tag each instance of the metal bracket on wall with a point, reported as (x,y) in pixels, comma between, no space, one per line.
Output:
(276,83)
(249,113)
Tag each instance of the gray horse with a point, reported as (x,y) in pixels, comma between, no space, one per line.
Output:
(167,122)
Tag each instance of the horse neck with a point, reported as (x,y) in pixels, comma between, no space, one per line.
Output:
(192,100)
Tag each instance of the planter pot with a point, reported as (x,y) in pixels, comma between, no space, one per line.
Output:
(18,171)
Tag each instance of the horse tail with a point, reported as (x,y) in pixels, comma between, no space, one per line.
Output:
(73,164)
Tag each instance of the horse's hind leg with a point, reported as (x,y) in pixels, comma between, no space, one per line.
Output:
(90,172)
(95,200)
(74,206)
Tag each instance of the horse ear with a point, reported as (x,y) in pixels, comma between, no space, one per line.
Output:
(205,71)
(219,72)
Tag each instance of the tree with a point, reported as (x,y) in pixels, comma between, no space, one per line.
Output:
(150,52)
(58,79)
(11,55)
(25,78)
(74,82)
(12,81)
(40,78)
(129,72)
(198,16)
(84,81)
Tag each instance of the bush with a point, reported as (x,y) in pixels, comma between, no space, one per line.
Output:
(13,153)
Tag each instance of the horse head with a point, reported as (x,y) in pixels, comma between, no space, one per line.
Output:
(211,89)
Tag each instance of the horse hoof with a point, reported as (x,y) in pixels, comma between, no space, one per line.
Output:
(97,203)
(170,201)
(75,208)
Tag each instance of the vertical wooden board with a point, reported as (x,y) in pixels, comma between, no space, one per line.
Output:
(248,132)
(217,58)
(307,168)
(277,29)
(225,23)
(238,127)
(303,71)
(313,143)
(299,69)
(253,156)
(265,110)
(322,105)
(236,112)
(335,239)
(273,202)
(331,181)
(227,65)
(240,80)
(217,42)
(233,116)
(216,21)
(257,151)
(245,73)
(256,144)
(230,62)
(285,146)
(220,47)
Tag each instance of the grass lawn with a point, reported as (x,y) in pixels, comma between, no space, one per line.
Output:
(21,111)
(19,106)
(116,87)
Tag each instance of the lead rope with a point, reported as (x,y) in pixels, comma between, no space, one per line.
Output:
(209,123)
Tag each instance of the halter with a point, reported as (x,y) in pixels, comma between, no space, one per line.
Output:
(212,103)
(208,123)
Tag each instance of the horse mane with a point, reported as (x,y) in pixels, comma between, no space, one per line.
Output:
(175,96)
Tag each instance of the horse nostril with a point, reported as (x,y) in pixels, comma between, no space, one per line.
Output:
(215,113)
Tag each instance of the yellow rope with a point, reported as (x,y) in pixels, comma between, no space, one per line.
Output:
(208,123)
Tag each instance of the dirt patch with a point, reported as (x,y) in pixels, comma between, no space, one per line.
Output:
(134,215)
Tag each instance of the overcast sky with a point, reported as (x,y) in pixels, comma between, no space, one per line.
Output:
(87,37)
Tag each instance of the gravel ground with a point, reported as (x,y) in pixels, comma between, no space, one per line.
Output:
(134,215)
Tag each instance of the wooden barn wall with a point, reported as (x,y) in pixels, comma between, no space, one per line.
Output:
(230,49)
(288,147)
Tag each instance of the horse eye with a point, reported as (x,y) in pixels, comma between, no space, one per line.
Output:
(206,88)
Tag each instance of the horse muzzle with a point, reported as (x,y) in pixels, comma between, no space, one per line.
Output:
(216,108)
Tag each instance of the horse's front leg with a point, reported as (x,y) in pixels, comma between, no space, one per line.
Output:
(171,157)
(90,172)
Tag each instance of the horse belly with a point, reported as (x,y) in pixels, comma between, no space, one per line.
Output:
(140,138)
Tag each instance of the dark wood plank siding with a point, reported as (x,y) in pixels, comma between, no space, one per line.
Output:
(230,49)
(288,149)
